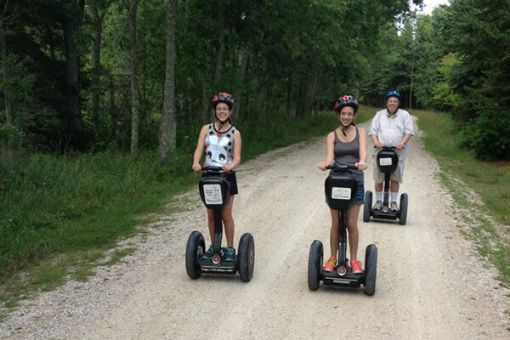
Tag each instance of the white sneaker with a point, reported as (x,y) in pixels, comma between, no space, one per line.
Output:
(378,205)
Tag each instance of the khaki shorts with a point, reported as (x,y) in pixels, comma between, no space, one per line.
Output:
(397,175)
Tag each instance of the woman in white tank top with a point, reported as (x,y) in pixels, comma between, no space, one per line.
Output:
(220,143)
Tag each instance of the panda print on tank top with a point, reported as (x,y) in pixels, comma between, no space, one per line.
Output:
(219,146)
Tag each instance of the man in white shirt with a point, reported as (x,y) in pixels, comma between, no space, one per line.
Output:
(392,126)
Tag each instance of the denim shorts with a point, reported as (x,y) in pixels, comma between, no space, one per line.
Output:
(360,194)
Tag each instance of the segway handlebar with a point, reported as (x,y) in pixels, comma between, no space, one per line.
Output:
(342,167)
(212,169)
(387,147)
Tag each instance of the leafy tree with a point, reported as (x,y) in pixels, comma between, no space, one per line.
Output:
(482,78)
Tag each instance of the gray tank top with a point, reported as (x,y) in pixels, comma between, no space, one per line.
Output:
(348,153)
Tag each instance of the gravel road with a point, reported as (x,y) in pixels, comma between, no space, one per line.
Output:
(430,284)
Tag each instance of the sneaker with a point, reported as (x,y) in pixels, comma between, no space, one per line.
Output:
(393,206)
(329,266)
(356,267)
(230,254)
(378,205)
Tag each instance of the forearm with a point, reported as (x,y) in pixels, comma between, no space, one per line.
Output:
(235,162)
(375,140)
(197,155)
(406,138)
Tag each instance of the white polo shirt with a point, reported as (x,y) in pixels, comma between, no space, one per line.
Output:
(391,130)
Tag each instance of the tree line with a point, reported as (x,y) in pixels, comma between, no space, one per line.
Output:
(456,60)
(89,75)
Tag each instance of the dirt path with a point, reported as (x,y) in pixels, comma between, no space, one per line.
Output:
(430,284)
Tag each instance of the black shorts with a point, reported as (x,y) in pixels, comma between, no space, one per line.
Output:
(231,178)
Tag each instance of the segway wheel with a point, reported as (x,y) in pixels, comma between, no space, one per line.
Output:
(367,207)
(246,257)
(314,265)
(403,209)
(194,249)
(370,269)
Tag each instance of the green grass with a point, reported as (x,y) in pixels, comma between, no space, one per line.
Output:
(59,216)
(488,180)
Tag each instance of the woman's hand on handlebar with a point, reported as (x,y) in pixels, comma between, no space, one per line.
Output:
(361,166)
(228,167)
(196,167)
(323,165)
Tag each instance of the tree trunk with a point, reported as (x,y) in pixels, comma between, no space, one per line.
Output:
(241,77)
(411,82)
(113,107)
(311,89)
(98,18)
(74,117)
(135,96)
(167,131)
(5,76)
(221,46)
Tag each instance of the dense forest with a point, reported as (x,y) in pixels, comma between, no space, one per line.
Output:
(86,75)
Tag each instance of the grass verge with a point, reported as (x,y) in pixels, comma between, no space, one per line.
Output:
(482,189)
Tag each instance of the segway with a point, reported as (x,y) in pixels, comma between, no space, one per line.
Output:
(387,161)
(214,192)
(340,188)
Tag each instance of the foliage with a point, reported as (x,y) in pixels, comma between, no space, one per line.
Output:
(489,135)
(456,60)
(279,58)
(443,94)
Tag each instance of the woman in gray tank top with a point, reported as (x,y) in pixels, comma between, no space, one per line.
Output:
(347,144)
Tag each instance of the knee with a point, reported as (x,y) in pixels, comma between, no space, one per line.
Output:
(228,218)
(352,226)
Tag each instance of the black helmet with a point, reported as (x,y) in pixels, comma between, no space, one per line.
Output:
(346,100)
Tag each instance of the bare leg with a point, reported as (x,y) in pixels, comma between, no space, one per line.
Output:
(228,221)
(394,186)
(210,224)
(352,227)
(333,233)
(378,187)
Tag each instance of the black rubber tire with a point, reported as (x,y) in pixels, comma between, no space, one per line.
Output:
(367,207)
(370,269)
(194,249)
(246,257)
(314,264)
(402,214)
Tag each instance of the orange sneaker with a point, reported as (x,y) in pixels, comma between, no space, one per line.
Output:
(356,267)
(329,266)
